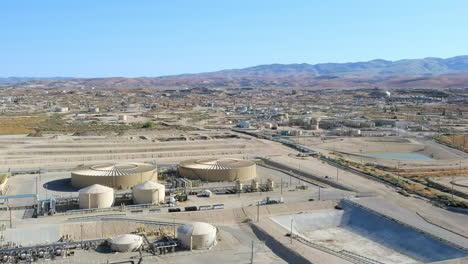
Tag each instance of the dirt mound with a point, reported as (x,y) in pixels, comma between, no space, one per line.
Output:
(93,133)
(36,134)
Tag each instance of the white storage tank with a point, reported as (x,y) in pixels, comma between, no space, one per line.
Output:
(254,185)
(122,117)
(126,243)
(270,185)
(149,192)
(197,235)
(96,196)
(239,186)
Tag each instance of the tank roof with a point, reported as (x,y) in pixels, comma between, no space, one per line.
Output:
(113,169)
(216,164)
(196,228)
(96,188)
(126,239)
(148,185)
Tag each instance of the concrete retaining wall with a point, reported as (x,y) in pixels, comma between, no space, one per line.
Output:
(397,236)
(39,234)
(307,222)
(287,254)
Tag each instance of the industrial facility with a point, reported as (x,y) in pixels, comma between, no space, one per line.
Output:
(114,175)
(218,169)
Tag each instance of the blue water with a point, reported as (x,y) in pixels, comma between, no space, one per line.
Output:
(397,156)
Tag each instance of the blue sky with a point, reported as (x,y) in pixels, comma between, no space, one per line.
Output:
(102,38)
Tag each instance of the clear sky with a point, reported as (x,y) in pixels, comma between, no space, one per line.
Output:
(99,38)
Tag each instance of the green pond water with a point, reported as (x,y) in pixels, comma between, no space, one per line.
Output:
(397,156)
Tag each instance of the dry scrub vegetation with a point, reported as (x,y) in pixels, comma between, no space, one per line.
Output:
(20,125)
(415,184)
(459,141)
(55,124)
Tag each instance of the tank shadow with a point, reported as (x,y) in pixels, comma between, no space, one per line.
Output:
(60,185)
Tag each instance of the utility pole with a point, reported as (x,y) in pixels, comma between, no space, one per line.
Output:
(453,178)
(337,174)
(281,186)
(360,152)
(398,170)
(319,193)
(81,234)
(252,253)
(258,211)
(291,234)
(9,211)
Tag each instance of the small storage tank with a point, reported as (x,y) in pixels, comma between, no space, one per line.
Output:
(126,243)
(96,196)
(270,185)
(254,185)
(197,235)
(239,186)
(123,117)
(149,192)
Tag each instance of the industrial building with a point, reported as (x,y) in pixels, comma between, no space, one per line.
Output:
(197,235)
(118,176)
(218,169)
(96,196)
(148,193)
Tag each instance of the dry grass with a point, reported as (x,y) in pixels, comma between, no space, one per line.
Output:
(4,177)
(57,124)
(410,183)
(435,173)
(459,141)
(20,125)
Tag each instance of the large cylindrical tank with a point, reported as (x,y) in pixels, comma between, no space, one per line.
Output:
(126,243)
(197,235)
(96,196)
(115,175)
(226,169)
(148,193)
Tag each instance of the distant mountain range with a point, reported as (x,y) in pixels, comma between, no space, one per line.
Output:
(27,79)
(408,67)
(417,73)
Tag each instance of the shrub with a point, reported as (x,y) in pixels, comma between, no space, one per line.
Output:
(148,124)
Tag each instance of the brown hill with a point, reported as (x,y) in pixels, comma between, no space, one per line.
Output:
(180,82)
